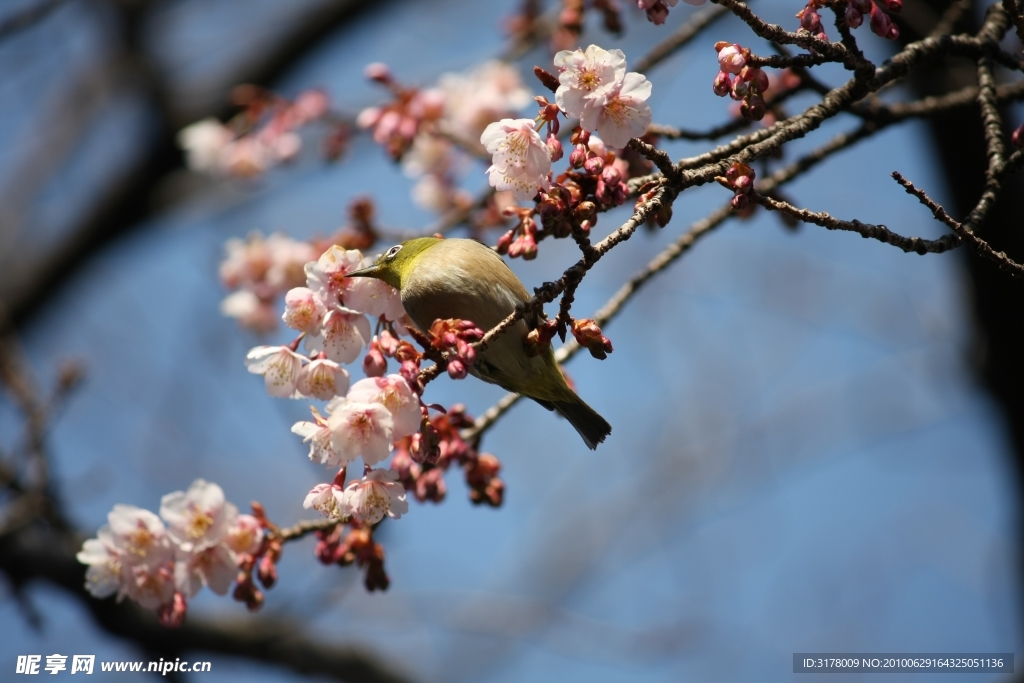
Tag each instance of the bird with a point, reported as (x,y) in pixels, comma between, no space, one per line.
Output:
(443,278)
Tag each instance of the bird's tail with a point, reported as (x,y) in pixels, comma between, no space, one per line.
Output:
(590,425)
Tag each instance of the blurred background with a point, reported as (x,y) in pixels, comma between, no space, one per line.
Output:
(815,443)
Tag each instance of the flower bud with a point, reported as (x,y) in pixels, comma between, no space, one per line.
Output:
(731,59)
(456,369)
(1017,138)
(547,79)
(554,148)
(740,202)
(374,363)
(594,165)
(722,84)
(578,156)
(378,71)
(267,572)
(853,17)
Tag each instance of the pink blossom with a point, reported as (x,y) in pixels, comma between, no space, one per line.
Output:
(245,157)
(251,312)
(323,379)
(375,495)
(150,586)
(521,162)
(327,499)
(280,367)
(327,277)
(342,337)
(139,535)
(374,297)
(245,535)
(490,92)
(199,518)
(587,78)
(103,577)
(203,142)
(394,393)
(214,566)
(303,310)
(365,429)
(625,114)
(318,435)
(731,59)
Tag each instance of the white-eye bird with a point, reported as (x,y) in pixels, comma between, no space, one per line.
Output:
(462,278)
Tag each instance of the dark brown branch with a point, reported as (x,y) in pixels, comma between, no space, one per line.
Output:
(881,233)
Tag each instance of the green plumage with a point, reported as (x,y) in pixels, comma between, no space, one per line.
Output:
(461,278)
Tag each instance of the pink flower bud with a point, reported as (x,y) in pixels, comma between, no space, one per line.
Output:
(731,59)
(744,183)
(267,572)
(880,22)
(374,364)
(594,165)
(853,17)
(378,71)
(504,241)
(761,81)
(739,89)
(456,369)
(740,202)
(578,156)
(1017,139)
(722,84)
(554,148)
(810,20)
(894,6)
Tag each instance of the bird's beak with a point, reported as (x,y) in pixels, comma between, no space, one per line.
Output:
(368,271)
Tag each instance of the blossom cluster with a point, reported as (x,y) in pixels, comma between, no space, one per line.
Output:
(741,81)
(880,22)
(423,128)
(370,418)
(262,135)
(593,86)
(160,562)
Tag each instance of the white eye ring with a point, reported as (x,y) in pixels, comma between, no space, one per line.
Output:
(393,251)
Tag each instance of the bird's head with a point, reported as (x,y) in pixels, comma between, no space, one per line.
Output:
(397,262)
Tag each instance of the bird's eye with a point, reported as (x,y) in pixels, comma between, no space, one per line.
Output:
(393,251)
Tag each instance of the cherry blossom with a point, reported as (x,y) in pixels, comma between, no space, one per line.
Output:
(280,367)
(374,297)
(485,94)
(521,161)
(251,312)
(375,495)
(203,143)
(342,337)
(199,518)
(139,534)
(103,577)
(245,535)
(319,437)
(586,79)
(394,393)
(327,276)
(365,429)
(150,586)
(303,310)
(327,499)
(215,567)
(323,379)
(624,115)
